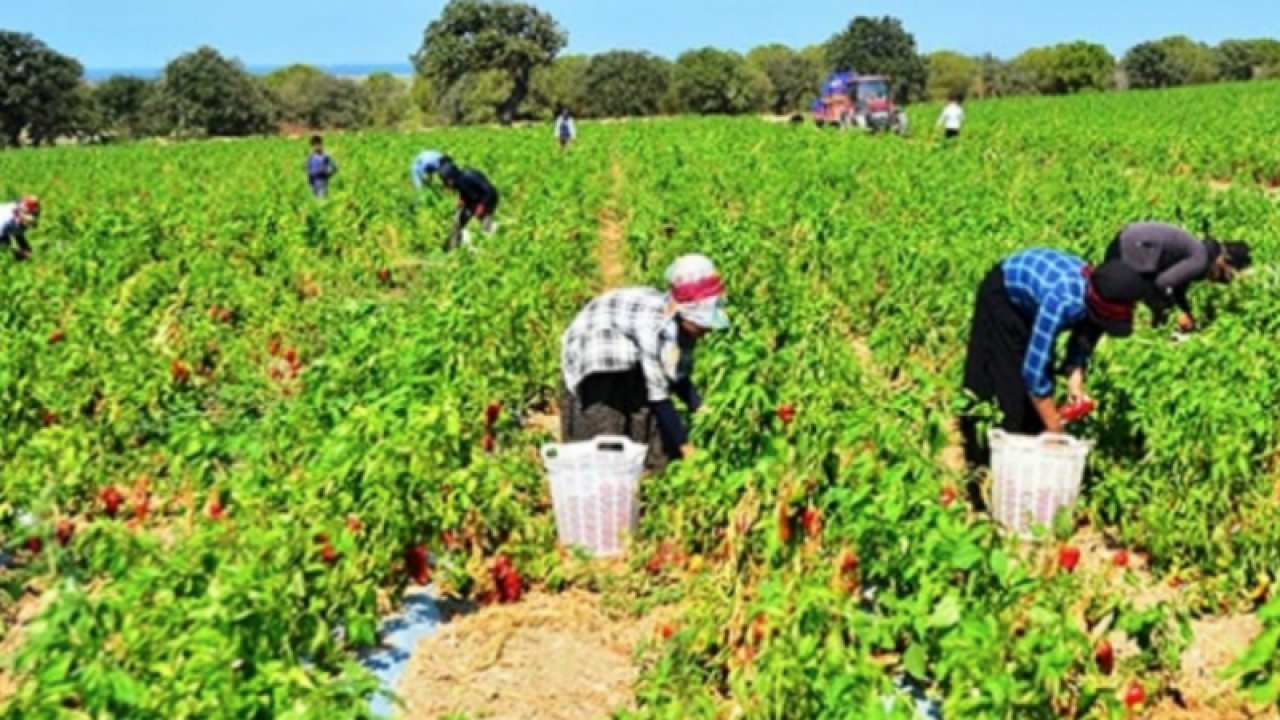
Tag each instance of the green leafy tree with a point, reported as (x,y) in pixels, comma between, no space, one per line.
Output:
(713,82)
(424,99)
(75,116)
(1149,65)
(389,101)
(473,102)
(622,83)
(1246,59)
(1066,68)
(880,46)
(310,97)
(791,76)
(41,93)
(123,102)
(1169,62)
(204,93)
(1196,59)
(951,74)
(998,78)
(817,56)
(471,36)
(561,84)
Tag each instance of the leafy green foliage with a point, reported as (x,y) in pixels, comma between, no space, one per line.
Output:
(621,83)
(952,74)
(851,288)
(203,93)
(1169,62)
(41,96)
(1067,68)
(880,46)
(1247,59)
(793,77)
(389,102)
(312,98)
(716,82)
(124,102)
(477,35)
(560,85)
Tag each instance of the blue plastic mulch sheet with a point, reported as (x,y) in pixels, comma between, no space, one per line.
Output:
(926,709)
(420,617)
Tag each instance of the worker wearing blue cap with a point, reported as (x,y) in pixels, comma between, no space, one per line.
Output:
(428,163)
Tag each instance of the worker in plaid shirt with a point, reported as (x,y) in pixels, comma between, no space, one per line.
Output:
(1023,305)
(630,350)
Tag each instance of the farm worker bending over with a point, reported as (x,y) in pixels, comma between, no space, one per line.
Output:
(1170,259)
(477,198)
(952,117)
(629,350)
(320,168)
(565,130)
(1023,305)
(15,218)
(426,164)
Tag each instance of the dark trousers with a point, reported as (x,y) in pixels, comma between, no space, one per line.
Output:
(612,404)
(465,214)
(951,133)
(998,343)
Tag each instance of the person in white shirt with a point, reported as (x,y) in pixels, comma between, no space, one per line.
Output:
(952,117)
(565,130)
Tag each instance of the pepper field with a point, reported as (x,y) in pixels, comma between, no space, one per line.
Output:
(277,399)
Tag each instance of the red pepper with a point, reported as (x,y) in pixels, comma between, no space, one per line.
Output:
(1077,411)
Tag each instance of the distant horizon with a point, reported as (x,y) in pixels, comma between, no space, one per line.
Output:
(140,36)
(340,69)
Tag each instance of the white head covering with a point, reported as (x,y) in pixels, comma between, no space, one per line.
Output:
(698,292)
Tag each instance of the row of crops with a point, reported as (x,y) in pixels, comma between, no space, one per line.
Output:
(290,401)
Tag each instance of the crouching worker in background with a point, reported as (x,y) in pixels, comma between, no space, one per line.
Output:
(630,350)
(1170,259)
(477,198)
(1023,305)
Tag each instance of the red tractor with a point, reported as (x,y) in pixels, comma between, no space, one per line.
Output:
(864,101)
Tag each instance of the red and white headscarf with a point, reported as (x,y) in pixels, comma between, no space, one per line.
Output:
(698,291)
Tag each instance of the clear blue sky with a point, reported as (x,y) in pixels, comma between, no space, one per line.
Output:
(147,33)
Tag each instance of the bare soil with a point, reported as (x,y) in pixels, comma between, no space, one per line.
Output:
(551,657)
(548,422)
(610,251)
(1216,641)
(13,626)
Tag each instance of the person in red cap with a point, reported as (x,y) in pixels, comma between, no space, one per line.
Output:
(1023,305)
(630,350)
(15,219)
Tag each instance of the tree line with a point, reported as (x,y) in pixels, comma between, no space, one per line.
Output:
(487,60)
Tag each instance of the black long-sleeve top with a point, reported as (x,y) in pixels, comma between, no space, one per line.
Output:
(475,192)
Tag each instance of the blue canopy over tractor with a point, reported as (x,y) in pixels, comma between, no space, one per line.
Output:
(839,83)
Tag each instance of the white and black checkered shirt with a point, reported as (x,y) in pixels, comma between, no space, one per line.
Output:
(618,331)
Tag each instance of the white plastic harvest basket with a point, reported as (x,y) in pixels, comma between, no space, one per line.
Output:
(595,489)
(1035,476)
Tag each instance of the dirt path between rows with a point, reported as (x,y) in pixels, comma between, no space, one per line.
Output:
(612,248)
(13,625)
